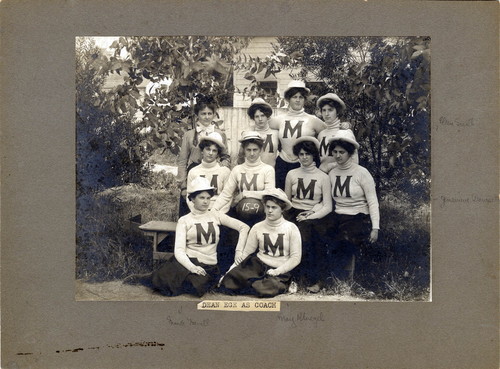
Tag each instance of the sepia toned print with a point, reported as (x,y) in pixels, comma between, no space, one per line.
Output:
(146,109)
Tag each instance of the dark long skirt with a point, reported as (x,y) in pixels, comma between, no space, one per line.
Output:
(229,239)
(281,169)
(173,279)
(313,263)
(249,277)
(343,237)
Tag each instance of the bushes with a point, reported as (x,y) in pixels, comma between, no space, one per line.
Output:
(398,265)
(107,246)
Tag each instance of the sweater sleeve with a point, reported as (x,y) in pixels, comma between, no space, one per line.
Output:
(237,225)
(326,205)
(318,125)
(228,191)
(251,244)
(368,185)
(295,251)
(180,245)
(183,159)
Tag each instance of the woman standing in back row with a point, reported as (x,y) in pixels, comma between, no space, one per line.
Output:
(293,124)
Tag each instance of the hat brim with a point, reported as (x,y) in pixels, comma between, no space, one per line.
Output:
(307,139)
(301,88)
(215,141)
(336,138)
(334,98)
(288,203)
(201,190)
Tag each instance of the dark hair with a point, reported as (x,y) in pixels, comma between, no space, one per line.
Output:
(347,146)
(332,103)
(266,110)
(280,203)
(192,195)
(205,143)
(200,105)
(295,90)
(308,147)
(259,143)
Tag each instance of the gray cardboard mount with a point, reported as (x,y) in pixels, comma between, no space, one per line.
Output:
(44,327)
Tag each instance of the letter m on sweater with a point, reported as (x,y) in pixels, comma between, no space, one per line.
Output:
(304,190)
(201,232)
(341,187)
(248,186)
(269,245)
(289,129)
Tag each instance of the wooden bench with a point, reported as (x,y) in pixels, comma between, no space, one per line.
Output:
(159,231)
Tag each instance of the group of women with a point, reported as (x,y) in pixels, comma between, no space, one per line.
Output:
(297,206)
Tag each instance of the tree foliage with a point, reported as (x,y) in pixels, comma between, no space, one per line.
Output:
(385,83)
(182,69)
(107,147)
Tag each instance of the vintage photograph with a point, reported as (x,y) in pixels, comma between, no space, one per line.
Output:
(242,168)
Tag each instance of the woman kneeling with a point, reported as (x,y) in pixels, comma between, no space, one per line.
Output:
(279,249)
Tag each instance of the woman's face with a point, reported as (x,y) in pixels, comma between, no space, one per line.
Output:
(273,210)
(305,158)
(297,101)
(329,113)
(209,153)
(201,202)
(260,119)
(205,116)
(340,155)
(252,152)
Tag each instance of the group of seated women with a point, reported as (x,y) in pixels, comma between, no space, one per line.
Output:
(297,205)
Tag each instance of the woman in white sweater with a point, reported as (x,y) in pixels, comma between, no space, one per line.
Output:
(194,268)
(309,190)
(277,245)
(293,124)
(356,217)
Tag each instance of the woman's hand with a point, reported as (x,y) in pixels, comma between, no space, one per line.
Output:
(345,125)
(199,270)
(226,163)
(272,272)
(238,260)
(374,235)
(304,215)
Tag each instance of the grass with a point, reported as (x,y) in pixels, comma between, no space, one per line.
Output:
(397,267)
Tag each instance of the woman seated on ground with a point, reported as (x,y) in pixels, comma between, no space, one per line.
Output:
(309,190)
(247,180)
(211,147)
(190,154)
(278,245)
(260,112)
(356,216)
(194,269)
(331,107)
(292,125)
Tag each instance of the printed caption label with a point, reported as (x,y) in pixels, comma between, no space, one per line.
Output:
(240,305)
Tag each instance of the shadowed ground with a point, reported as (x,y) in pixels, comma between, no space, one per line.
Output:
(118,291)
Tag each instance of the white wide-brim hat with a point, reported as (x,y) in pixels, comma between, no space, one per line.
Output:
(250,135)
(331,96)
(296,84)
(280,195)
(312,139)
(214,137)
(199,184)
(345,135)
